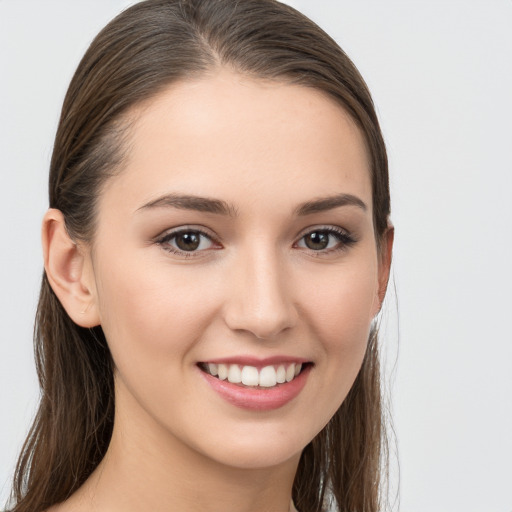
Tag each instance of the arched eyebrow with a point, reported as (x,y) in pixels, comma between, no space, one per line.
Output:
(189,202)
(220,207)
(329,203)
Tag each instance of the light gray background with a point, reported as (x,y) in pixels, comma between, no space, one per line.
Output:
(440,73)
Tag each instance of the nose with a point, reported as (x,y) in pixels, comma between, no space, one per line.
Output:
(259,299)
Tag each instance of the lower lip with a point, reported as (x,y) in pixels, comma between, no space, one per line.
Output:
(258,399)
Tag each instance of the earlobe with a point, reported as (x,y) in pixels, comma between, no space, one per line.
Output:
(385,256)
(68,271)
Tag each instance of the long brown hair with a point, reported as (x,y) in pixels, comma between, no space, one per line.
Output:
(142,51)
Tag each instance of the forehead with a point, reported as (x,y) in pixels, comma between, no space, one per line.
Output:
(240,139)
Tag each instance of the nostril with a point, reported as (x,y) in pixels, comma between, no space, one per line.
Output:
(263,325)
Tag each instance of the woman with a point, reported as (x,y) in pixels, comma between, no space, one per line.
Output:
(216,251)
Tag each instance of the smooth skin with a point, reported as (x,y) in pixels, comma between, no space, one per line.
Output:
(254,285)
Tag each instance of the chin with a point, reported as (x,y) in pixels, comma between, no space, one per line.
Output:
(258,447)
(260,457)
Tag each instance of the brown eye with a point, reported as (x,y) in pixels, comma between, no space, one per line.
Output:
(188,241)
(326,240)
(317,240)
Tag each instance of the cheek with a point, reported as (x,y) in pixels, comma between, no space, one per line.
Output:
(341,312)
(342,309)
(151,313)
(152,322)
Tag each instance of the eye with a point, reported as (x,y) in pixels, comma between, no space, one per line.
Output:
(186,241)
(326,240)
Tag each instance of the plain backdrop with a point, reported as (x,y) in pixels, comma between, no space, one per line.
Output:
(441,76)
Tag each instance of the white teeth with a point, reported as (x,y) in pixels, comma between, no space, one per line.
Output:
(290,372)
(234,374)
(281,374)
(268,377)
(250,376)
(223,371)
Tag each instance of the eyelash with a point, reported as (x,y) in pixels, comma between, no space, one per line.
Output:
(165,239)
(345,240)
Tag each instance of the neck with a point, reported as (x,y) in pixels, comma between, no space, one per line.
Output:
(146,468)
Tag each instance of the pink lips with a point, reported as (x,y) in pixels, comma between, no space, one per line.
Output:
(257,398)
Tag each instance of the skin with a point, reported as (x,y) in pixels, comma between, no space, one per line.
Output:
(254,288)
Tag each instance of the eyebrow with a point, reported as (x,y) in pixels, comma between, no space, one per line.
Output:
(329,203)
(189,202)
(220,207)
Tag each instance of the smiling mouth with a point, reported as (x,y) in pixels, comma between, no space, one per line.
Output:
(250,376)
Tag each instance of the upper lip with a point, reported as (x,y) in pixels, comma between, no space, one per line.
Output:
(258,362)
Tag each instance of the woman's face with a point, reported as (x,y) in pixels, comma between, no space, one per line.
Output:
(237,240)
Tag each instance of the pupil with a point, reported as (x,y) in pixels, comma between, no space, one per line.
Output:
(188,241)
(317,240)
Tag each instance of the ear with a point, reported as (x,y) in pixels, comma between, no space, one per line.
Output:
(69,271)
(385,256)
